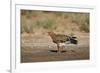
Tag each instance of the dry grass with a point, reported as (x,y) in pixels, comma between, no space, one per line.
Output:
(34,21)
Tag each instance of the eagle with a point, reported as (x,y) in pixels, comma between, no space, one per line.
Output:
(61,39)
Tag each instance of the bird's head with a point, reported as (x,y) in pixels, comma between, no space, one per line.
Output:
(51,33)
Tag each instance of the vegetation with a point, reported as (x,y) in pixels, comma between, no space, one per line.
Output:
(34,21)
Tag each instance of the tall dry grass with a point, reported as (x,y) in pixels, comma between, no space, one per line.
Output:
(34,21)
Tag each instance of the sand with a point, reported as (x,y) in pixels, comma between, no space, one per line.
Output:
(40,48)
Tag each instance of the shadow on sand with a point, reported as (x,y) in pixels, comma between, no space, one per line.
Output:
(55,51)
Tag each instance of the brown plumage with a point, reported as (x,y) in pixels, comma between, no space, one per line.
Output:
(58,39)
(61,39)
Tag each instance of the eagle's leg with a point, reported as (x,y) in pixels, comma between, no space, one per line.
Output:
(58,47)
(62,48)
(62,45)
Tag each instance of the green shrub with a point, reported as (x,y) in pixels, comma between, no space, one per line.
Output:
(82,20)
(84,27)
(27,28)
(45,23)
